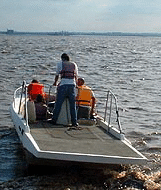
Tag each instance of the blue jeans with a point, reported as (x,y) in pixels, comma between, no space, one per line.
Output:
(65,91)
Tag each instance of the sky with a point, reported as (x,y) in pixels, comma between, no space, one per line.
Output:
(81,15)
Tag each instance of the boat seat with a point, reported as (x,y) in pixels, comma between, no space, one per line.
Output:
(83,112)
(31,111)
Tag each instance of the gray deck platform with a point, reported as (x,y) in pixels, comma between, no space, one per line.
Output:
(89,140)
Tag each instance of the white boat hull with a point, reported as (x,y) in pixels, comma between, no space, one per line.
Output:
(34,147)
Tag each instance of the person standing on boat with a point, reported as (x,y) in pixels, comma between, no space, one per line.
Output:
(68,72)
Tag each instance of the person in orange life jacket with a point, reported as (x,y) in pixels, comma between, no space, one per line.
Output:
(35,88)
(85,96)
(68,72)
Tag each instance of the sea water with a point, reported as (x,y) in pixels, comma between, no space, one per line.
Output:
(129,66)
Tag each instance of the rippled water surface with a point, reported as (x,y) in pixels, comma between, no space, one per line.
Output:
(129,66)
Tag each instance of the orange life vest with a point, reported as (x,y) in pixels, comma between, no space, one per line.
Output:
(84,96)
(34,89)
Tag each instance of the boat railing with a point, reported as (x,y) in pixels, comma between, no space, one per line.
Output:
(22,91)
(49,93)
(110,108)
(15,95)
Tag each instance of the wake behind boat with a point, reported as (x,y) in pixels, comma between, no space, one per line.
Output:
(96,141)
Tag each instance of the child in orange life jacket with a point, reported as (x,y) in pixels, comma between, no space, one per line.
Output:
(35,88)
(85,96)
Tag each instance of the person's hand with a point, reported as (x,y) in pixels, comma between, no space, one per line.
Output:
(55,83)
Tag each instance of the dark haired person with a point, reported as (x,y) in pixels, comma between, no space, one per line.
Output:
(40,108)
(68,73)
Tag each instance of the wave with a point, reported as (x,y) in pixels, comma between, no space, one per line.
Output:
(137,108)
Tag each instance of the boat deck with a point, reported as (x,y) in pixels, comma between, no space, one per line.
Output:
(91,139)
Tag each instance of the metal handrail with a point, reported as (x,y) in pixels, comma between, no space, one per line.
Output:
(14,96)
(26,111)
(23,91)
(110,94)
(50,87)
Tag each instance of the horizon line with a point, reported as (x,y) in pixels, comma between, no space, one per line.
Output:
(65,32)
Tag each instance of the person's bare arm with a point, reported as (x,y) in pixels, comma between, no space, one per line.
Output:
(56,80)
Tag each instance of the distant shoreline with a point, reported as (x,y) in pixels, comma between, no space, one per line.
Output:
(66,33)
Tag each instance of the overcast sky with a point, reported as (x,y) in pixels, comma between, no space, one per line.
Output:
(81,15)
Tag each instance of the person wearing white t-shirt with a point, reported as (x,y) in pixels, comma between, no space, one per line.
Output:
(68,72)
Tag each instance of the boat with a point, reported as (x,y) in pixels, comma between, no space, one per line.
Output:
(97,141)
